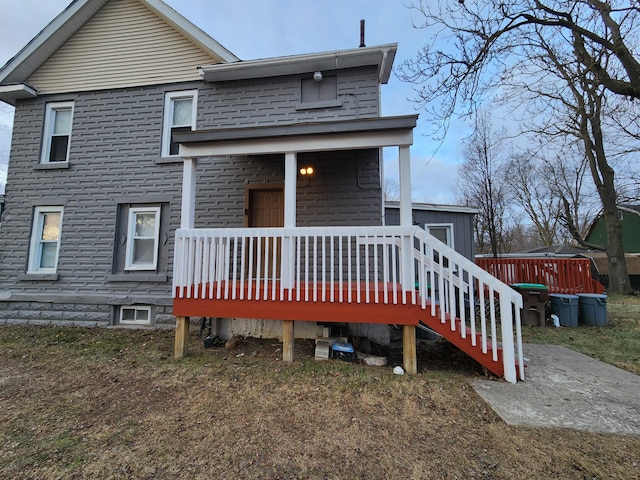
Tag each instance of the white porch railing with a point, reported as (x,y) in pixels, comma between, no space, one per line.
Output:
(381,265)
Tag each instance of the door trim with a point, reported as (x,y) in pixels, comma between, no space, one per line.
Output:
(259,186)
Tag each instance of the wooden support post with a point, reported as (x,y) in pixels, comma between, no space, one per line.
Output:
(409,350)
(182,337)
(287,340)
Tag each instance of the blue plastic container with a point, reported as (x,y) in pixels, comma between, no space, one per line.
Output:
(566,308)
(592,309)
(343,351)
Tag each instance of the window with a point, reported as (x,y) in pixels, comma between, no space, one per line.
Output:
(45,240)
(57,132)
(142,238)
(135,315)
(179,116)
(442,231)
(312,91)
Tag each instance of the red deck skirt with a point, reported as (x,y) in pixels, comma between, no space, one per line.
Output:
(279,307)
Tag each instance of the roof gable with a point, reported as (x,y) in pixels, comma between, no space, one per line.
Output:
(109,43)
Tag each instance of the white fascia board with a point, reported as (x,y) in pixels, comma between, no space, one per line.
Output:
(303,143)
(48,40)
(382,56)
(192,32)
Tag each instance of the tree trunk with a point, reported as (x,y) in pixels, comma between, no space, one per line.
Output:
(618,275)
(604,178)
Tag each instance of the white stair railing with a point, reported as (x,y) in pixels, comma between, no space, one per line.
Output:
(471,301)
(352,265)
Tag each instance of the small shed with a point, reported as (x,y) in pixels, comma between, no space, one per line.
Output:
(451,224)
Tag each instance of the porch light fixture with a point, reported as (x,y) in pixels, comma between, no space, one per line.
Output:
(306,171)
(317,76)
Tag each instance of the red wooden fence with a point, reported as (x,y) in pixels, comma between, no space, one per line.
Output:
(561,275)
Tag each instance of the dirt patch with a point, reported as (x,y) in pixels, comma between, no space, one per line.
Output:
(432,355)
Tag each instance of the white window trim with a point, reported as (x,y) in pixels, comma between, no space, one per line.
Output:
(450,234)
(131,230)
(48,129)
(35,249)
(136,309)
(169,98)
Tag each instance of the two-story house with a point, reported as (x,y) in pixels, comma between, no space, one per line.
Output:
(154,176)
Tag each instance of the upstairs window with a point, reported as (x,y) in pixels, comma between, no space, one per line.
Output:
(45,240)
(323,90)
(57,132)
(142,239)
(179,116)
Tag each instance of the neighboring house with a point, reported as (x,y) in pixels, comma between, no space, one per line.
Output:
(601,268)
(630,220)
(154,176)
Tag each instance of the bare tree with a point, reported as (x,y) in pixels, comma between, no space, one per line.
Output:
(568,174)
(481,185)
(533,191)
(391,189)
(575,57)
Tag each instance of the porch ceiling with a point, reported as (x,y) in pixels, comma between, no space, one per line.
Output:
(302,137)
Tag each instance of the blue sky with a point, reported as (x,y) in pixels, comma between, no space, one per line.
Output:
(254,29)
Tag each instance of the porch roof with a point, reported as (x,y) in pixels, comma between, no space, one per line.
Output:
(332,135)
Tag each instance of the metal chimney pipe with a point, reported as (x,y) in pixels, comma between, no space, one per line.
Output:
(362,33)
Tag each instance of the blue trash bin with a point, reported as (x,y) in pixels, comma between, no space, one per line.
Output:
(566,308)
(592,308)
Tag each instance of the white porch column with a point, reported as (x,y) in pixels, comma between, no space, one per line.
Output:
(290,188)
(404,163)
(406,217)
(188,210)
(290,179)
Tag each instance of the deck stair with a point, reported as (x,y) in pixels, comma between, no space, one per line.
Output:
(469,344)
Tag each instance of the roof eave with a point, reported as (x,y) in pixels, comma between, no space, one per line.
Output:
(10,93)
(380,56)
(435,207)
(198,36)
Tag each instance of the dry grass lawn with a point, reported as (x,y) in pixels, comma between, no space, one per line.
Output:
(617,344)
(113,404)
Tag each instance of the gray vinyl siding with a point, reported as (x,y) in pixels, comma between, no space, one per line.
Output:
(344,183)
(115,160)
(272,101)
(462,225)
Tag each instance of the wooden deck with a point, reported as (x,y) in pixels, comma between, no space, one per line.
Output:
(374,275)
